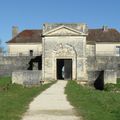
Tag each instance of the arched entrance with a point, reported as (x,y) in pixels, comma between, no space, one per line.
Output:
(65,59)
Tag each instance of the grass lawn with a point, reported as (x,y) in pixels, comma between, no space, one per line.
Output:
(14,99)
(118,80)
(93,104)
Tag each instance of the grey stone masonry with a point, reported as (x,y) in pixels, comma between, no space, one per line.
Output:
(64,41)
(108,64)
(110,76)
(77,26)
(28,78)
(8,64)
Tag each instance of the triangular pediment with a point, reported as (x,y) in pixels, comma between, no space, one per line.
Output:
(63,31)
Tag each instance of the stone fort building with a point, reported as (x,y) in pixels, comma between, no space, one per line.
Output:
(66,51)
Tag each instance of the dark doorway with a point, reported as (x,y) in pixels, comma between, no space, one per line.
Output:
(64,69)
(99,82)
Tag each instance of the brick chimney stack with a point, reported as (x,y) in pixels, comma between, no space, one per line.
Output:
(105,28)
(15,31)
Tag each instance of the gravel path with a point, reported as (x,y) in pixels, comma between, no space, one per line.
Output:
(51,105)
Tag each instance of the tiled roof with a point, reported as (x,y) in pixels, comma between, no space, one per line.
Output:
(28,36)
(94,35)
(99,35)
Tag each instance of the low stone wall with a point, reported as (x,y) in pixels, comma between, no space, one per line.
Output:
(110,76)
(100,63)
(27,77)
(8,64)
(108,64)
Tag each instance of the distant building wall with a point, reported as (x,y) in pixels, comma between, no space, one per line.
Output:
(90,50)
(107,49)
(24,49)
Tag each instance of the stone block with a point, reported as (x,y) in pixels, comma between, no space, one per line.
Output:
(26,77)
(110,76)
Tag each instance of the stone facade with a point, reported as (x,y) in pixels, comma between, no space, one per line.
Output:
(64,43)
(69,52)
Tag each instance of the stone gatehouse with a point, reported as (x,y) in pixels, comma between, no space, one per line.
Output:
(70,51)
(64,48)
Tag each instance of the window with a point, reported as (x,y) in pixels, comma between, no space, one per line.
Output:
(118,50)
(20,54)
(31,52)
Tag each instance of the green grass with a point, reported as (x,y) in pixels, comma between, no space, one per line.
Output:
(93,104)
(118,80)
(112,87)
(5,80)
(15,99)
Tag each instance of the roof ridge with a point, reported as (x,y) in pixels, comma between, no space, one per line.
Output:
(32,30)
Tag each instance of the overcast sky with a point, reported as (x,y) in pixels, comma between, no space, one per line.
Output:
(31,14)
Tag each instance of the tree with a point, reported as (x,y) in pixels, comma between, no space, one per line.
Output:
(1,48)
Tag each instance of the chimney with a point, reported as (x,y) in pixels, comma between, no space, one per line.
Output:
(15,31)
(105,28)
